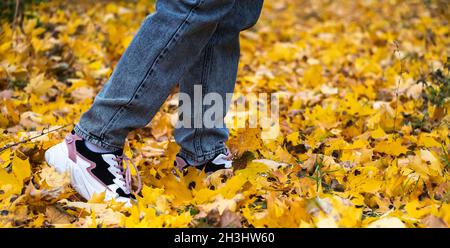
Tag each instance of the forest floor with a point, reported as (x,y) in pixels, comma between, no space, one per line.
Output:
(364,124)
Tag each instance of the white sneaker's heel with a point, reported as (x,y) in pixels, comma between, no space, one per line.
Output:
(79,183)
(56,158)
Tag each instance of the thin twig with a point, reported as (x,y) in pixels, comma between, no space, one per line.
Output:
(32,138)
(14,25)
(397,50)
(16,14)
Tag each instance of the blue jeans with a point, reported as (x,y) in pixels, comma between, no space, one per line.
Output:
(184,41)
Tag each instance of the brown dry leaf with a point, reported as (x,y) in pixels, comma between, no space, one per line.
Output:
(83,93)
(54,179)
(30,120)
(161,125)
(316,159)
(432,221)
(57,216)
(221,204)
(43,197)
(230,219)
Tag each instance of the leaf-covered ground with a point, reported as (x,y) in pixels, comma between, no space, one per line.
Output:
(364,125)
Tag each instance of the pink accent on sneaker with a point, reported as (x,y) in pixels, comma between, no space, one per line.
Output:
(70,142)
(180,163)
(229,155)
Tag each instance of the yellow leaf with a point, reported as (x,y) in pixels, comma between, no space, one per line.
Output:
(427,141)
(21,168)
(431,161)
(10,182)
(39,85)
(313,76)
(5,157)
(378,133)
(391,147)
(387,222)
(293,138)
(98,198)
(283,51)
(417,209)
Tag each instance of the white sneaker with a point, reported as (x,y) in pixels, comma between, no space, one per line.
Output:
(93,173)
(219,162)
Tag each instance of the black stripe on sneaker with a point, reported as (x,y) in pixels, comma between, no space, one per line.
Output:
(211,167)
(101,169)
(122,193)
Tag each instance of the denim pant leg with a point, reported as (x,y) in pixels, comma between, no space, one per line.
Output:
(216,72)
(167,44)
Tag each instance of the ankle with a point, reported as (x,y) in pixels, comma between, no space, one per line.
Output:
(95,148)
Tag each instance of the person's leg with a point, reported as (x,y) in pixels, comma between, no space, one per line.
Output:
(216,71)
(167,44)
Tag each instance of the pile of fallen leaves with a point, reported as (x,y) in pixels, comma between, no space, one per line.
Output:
(364,121)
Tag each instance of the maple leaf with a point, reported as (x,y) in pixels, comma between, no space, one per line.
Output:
(391,147)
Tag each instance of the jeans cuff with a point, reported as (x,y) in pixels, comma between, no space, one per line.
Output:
(94,139)
(207,156)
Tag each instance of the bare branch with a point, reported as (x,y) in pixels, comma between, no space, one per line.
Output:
(32,138)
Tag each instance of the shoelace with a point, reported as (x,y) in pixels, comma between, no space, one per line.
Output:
(127,173)
(229,155)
